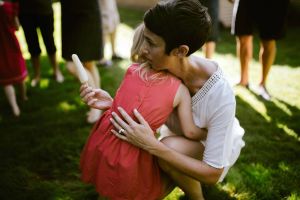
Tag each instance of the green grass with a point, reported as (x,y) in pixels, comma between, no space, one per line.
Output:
(39,152)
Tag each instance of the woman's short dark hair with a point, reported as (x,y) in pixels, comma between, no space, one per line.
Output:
(179,22)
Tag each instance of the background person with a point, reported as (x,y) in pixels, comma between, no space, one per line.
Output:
(213,11)
(83,38)
(12,64)
(268,17)
(35,15)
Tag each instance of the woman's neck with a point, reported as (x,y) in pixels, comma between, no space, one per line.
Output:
(194,72)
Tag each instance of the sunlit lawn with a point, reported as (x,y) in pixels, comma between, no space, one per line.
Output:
(39,152)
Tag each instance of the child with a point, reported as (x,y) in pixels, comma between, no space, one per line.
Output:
(12,64)
(118,169)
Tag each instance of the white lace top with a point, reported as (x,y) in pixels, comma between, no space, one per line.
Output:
(214,108)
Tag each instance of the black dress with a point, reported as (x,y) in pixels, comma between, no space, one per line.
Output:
(81,30)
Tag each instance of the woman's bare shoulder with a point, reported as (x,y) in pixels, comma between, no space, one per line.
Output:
(207,65)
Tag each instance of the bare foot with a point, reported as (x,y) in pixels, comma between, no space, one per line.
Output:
(35,82)
(24,98)
(16,110)
(59,77)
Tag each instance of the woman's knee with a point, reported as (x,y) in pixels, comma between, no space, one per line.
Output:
(185,146)
(170,141)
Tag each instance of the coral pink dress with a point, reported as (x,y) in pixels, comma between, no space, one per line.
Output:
(118,169)
(12,64)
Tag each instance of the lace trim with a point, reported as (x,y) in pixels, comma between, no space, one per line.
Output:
(207,86)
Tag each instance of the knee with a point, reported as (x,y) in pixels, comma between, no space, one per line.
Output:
(165,166)
(89,65)
(71,68)
(269,45)
(169,142)
(245,39)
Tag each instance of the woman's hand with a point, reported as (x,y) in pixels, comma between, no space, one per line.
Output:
(95,98)
(137,133)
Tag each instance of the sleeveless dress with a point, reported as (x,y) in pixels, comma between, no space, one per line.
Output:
(81,30)
(12,64)
(118,169)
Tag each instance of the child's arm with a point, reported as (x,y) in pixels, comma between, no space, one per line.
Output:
(183,103)
(95,98)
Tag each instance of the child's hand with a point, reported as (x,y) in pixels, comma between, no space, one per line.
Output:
(95,98)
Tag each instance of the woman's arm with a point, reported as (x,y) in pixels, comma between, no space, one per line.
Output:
(183,101)
(141,135)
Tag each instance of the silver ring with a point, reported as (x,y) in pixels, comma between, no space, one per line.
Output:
(121,131)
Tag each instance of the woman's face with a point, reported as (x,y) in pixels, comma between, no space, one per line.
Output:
(153,51)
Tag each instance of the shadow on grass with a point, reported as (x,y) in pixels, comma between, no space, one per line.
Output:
(282,113)
(40,151)
(269,157)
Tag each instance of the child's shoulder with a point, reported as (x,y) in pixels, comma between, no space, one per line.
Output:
(150,75)
(134,66)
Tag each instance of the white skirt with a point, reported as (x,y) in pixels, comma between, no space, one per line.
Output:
(237,143)
(109,15)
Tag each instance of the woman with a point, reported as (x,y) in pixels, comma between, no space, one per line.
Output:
(83,38)
(173,31)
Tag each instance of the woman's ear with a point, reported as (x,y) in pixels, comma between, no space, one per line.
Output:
(181,51)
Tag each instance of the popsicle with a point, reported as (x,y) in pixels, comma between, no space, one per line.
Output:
(81,73)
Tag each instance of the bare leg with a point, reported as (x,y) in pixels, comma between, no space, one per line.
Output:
(35,61)
(267,56)
(104,61)
(112,38)
(11,97)
(71,68)
(94,81)
(193,149)
(56,71)
(209,49)
(23,91)
(244,52)
(92,68)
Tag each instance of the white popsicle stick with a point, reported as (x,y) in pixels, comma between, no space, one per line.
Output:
(81,73)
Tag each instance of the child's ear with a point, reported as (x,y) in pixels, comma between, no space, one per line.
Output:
(181,51)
